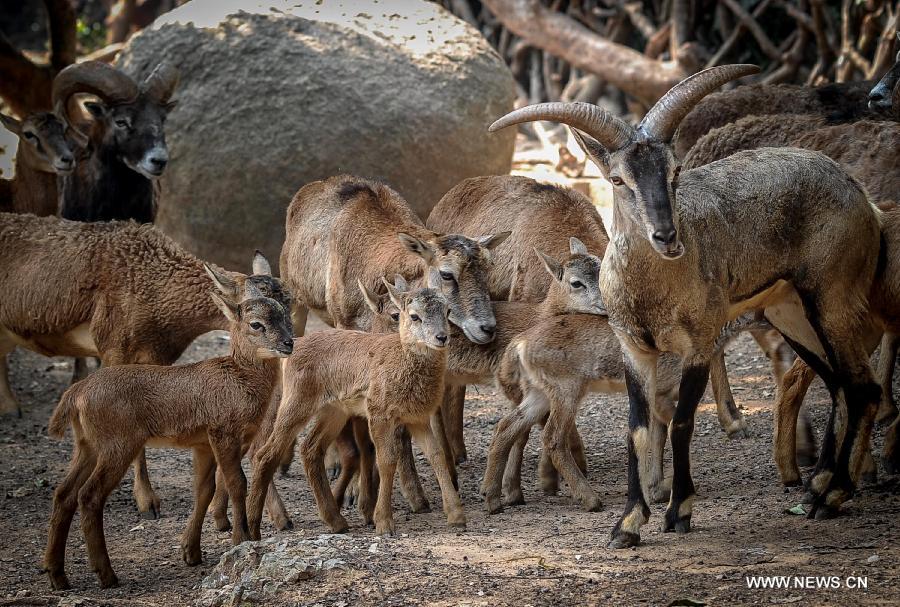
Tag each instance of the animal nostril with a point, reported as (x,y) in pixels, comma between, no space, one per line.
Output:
(159,161)
(666,236)
(66,159)
(289,344)
(876,95)
(441,337)
(488,329)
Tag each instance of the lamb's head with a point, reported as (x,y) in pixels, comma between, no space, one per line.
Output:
(461,267)
(385,313)
(128,118)
(638,161)
(237,286)
(42,142)
(259,324)
(886,93)
(576,280)
(423,316)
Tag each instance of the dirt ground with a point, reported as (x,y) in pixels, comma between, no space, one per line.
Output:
(547,552)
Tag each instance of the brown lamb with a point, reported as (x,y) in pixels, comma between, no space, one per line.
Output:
(213,407)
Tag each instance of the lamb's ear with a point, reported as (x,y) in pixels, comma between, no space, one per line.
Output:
(11,124)
(395,295)
(551,265)
(261,265)
(576,247)
(594,150)
(400,283)
(492,241)
(225,281)
(434,280)
(417,246)
(371,298)
(231,310)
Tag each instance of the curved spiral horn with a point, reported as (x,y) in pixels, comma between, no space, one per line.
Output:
(663,118)
(161,82)
(93,77)
(611,131)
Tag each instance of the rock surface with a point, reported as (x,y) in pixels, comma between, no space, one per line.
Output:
(275,94)
(258,572)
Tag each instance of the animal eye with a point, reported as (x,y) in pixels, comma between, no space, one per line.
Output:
(676,173)
(257,326)
(395,316)
(447,275)
(616,180)
(30,136)
(414,317)
(577,284)
(122,123)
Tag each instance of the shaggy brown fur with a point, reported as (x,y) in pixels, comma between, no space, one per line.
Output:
(347,229)
(393,380)
(869,151)
(213,407)
(43,153)
(835,103)
(122,292)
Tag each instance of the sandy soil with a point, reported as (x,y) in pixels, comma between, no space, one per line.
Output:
(547,552)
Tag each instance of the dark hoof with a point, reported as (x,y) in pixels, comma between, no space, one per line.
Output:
(59,581)
(493,505)
(809,498)
(109,581)
(191,557)
(285,470)
(870,477)
(461,459)
(593,505)
(150,515)
(332,473)
(420,508)
(739,434)
(623,539)
(793,482)
(678,525)
(806,459)
(224,525)
(824,512)
(287,525)
(516,499)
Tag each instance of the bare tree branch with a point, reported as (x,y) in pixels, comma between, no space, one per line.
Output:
(621,66)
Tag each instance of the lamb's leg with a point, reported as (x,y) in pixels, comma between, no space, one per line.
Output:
(509,430)
(658,490)
(438,460)
(327,425)
(512,476)
(107,473)
(365,463)
(292,416)
(385,435)
(349,453)
(8,402)
(80,369)
(789,399)
(439,429)
(146,498)
(452,408)
(65,502)
(557,433)
(776,350)
(228,455)
(204,486)
(299,314)
(410,483)
(730,417)
(887,358)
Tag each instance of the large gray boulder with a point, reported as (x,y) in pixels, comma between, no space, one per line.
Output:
(276,94)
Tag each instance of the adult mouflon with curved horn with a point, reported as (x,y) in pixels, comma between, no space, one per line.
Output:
(786,231)
(126,144)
